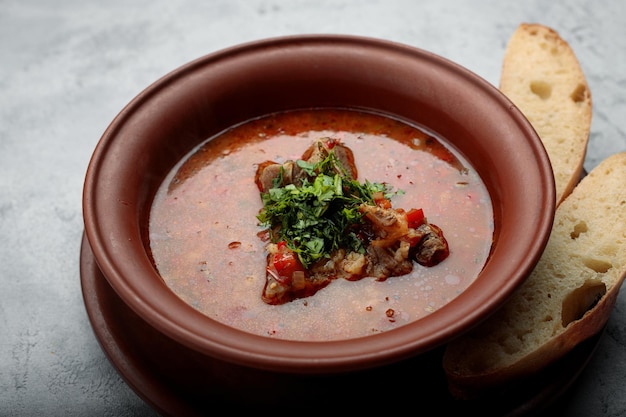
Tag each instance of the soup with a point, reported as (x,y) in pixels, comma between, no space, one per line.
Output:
(204,233)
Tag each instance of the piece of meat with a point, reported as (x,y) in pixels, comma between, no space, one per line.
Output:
(385,261)
(322,147)
(269,170)
(389,225)
(432,247)
(292,174)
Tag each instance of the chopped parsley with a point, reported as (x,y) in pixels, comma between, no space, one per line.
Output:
(319,216)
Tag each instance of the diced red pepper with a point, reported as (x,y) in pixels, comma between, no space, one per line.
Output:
(286,262)
(415,217)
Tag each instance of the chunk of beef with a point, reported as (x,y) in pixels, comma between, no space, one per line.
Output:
(269,170)
(384,262)
(322,147)
(293,174)
(432,247)
(389,225)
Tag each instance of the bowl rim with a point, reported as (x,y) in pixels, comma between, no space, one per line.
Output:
(198,331)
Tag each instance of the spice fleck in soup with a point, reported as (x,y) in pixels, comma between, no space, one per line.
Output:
(205,238)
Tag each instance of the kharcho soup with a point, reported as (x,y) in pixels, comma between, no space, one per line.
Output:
(205,237)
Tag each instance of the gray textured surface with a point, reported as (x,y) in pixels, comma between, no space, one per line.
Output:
(68,66)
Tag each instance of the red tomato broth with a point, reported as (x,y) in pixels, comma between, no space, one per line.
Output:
(204,240)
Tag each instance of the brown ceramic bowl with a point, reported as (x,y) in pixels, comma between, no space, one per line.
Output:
(202,98)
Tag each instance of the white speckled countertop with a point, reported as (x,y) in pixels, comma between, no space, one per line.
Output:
(67,67)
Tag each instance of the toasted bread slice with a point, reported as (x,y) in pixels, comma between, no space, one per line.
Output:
(543,78)
(567,298)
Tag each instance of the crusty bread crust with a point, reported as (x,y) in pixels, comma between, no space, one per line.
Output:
(567,298)
(543,78)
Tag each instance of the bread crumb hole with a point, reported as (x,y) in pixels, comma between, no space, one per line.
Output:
(541,89)
(579,228)
(579,93)
(598,265)
(581,300)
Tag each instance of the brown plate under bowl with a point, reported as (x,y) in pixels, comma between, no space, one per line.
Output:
(200,99)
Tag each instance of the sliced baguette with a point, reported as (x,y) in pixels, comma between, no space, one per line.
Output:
(543,78)
(567,298)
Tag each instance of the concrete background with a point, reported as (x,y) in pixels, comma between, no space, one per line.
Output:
(67,67)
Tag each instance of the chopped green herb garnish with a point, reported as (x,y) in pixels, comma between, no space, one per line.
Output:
(317,218)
